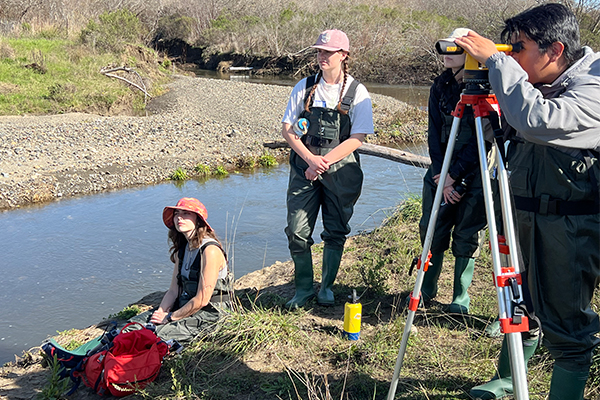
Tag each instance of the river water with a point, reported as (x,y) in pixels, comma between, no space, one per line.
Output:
(74,261)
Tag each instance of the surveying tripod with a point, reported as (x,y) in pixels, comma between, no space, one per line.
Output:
(507,278)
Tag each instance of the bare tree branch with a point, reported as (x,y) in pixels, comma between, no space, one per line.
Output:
(108,72)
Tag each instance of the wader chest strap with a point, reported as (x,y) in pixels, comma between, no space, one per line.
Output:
(349,97)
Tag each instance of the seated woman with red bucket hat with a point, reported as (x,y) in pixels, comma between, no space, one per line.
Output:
(201,287)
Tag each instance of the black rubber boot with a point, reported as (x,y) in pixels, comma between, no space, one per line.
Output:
(303,280)
(331,264)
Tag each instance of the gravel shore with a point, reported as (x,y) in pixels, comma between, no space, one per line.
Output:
(197,121)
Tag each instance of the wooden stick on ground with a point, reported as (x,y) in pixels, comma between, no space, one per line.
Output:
(107,71)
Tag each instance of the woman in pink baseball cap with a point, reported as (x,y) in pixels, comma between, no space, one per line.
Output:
(201,286)
(325,172)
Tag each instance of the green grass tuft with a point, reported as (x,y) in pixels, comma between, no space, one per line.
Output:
(126,313)
(202,170)
(267,161)
(178,175)
(220,171)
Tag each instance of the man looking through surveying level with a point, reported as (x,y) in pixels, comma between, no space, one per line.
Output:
(548,93)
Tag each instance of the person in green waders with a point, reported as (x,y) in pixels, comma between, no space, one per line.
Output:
(462,212)
(548,93)
(325,171)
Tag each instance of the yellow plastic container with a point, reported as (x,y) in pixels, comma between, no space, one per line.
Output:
(352,318)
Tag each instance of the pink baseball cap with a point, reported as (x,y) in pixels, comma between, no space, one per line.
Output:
(332,40)
(188,204)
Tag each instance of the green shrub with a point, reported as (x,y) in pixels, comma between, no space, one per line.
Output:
(112,31)
(374,273)
(174,27)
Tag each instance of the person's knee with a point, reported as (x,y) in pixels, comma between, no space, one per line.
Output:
(334,241)
(570,356)
(297,241)
(335,245)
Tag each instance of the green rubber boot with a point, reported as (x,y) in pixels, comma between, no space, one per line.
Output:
(429,287)
(567,385)
(501,384)
(463,275)
(303,280)
(331,264)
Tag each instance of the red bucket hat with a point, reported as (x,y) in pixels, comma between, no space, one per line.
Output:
(188,204)
(332,40)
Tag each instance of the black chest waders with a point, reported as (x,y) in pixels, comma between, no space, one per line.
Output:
(507,278)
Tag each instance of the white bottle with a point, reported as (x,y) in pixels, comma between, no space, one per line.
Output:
(301,127)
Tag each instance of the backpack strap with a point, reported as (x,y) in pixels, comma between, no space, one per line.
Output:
(219,296)
(213,243)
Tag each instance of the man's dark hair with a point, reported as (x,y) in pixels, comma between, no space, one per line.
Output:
(545,25)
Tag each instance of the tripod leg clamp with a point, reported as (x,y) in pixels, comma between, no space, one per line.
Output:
(416,262)
(518,322)
(414,302)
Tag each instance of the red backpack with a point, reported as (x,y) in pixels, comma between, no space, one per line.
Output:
(132,361)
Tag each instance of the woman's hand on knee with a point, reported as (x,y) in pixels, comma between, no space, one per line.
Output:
(158,317)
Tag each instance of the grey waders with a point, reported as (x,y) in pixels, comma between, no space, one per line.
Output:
(303,280)
(501,384)
(331,263)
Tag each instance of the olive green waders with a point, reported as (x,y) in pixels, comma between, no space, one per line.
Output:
(334,193)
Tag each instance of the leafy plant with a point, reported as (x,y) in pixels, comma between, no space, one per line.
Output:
(374,273)
(178,175)
(267,160)
(202,170)
(56,386)
(112,31)
(220,171)
(126,313)
(174,26)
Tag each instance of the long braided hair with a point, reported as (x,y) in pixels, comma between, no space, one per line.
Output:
(314,87)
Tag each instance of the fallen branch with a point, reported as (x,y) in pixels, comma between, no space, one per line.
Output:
(388,153)
(107,72)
